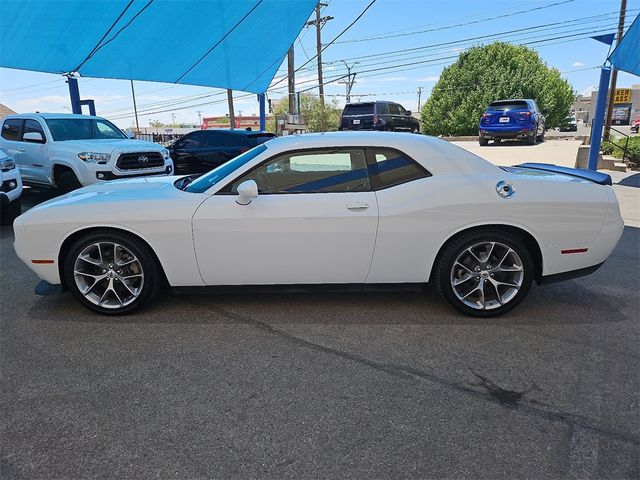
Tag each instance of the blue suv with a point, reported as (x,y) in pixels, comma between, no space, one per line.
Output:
(517,118)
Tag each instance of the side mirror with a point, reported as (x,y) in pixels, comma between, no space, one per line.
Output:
(247,191)
(130,135)
(409,112)
(35,137)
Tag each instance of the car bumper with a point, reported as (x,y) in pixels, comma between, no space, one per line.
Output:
(519,132)
(109,175)
(10,189)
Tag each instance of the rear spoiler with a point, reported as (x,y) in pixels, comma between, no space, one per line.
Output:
(596,177)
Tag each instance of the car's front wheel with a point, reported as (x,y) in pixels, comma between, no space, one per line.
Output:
(112,273)
(484,273)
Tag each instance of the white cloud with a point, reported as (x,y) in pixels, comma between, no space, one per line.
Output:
(391,79)
(432,78)
(577,64)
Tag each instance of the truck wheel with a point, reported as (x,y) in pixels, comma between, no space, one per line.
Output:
(67,182)
(10,212)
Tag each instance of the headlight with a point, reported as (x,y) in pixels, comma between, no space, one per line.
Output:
(97,158)
(165,154)
(7,164)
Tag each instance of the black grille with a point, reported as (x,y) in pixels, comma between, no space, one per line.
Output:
(133,161)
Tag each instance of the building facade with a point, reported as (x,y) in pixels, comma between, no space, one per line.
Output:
(626,106)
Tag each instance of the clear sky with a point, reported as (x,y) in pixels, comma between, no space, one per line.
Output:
(559,28)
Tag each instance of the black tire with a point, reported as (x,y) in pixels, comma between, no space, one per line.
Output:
(541,136)
(10,212)
(531,139)
(483,142)
(153,275)
(67,182)
(497,140)
(443,270)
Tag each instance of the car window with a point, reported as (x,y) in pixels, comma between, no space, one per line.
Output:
(226,140)
(106,130)
(508,105)
(388,168)
(358,109)
(382,108)
(193,140)
(33,126)
(393,109)
(401,110)
(11,129)
(260,139)
(315,171)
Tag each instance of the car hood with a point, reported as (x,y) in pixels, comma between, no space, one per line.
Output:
(108,146)
(116,191)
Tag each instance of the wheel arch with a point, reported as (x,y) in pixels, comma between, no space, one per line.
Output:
(526,236)
(73,237)
(57,168)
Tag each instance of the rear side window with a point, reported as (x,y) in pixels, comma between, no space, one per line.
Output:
(11,129)
(388,168)
(33,126)
(226,140)
(358,109)
(382,108)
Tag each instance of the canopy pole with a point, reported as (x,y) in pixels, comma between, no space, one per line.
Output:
(74,95)
(263,114)
(598,118)
(232,117)
(135,107)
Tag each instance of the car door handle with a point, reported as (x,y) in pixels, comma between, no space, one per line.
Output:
(21,150)
(358,206)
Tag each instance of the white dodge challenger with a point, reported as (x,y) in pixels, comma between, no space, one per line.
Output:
(345,210)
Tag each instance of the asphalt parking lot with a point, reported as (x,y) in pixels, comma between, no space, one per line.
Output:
(371,386)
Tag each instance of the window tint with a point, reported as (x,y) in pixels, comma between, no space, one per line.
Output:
(358,109)
(226,140)
(382,108)
(317,171)
(11,129)
(393,109)
(107,130)
(82,129)
(193,140)
(508,105)
(390,167)
(33,126)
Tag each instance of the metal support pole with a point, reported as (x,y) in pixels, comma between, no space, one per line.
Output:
(299,110)
(74,94)
(291,72)
(263,114)
(598,118)
(135,107)
(614,73)
(232,117)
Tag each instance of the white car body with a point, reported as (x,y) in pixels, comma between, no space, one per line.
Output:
(392,235)
(41,161)
(10,180)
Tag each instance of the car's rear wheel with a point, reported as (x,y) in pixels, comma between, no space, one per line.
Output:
(112,273)
(484,273)
(541,136)
(531,139)
(483,142)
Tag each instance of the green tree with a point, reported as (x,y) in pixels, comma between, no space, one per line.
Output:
(320,118)
(484,74)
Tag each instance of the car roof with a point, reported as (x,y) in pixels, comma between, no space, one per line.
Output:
(514,100)
(52,115)
(437,155)
(238,131)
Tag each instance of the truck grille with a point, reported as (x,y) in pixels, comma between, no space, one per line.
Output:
(136,161)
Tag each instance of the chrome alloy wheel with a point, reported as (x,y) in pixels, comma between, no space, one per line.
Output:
(487,275)
(108,275)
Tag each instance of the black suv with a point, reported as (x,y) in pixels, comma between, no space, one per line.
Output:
(204,150)
(388,116)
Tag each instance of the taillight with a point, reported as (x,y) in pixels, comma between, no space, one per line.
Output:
(526,114)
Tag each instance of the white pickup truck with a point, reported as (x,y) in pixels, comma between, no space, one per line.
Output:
(10,190)
(69,151)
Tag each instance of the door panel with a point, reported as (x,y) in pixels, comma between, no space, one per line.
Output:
(286,238)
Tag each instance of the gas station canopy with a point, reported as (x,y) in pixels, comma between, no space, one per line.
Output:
(235,44)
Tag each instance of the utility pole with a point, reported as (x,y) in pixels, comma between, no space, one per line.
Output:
(291,81)
(419,97)
(232,116)
(349,81)
(614,74)
(319,22)
(199,117)
(173,119)
(135,108)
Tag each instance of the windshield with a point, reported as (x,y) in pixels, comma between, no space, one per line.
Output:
(83,129)
(207,181)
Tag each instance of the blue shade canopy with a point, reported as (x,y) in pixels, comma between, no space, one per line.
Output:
(237,44)
(626,56)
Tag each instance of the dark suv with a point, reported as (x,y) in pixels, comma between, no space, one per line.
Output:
(203,150)
(388,116)
(515,118)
